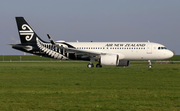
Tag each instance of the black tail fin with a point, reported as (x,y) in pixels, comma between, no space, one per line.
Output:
(26,33)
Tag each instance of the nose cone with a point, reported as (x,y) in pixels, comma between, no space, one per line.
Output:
(169,54)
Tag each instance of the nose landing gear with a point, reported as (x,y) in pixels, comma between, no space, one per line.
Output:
(150,65)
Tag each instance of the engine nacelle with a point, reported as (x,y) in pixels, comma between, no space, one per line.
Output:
(113,60)
(109,60)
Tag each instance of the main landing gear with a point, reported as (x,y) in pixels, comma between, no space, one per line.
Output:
(90,65)
(98,65)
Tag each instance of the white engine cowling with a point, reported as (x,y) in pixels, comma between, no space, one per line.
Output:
(109,60)
(113,60)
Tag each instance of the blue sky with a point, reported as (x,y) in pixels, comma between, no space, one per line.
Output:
(93,20)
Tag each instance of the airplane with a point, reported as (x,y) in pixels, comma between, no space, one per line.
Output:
(106,53)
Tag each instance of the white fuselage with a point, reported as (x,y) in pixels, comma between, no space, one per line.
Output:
(106,53)
(127,50)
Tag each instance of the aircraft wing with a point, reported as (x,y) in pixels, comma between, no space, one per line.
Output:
(78,52)
(82,52)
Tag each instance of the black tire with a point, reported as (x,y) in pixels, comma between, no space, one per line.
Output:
(150,66)
(98,65)
(90,65)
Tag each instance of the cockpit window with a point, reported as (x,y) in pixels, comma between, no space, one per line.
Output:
(160,48)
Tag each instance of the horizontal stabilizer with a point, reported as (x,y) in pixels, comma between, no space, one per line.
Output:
(28,48)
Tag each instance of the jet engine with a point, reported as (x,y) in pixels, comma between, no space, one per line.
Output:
(113,60)
(109,60)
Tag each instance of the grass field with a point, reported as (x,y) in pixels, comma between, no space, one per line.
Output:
(38,58)
(56,86)
(24,58)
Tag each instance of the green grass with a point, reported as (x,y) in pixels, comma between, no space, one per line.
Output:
(38,58)
(174,58)
(25,58)
(58,86)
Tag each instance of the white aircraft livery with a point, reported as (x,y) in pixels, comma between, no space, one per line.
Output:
(106,53)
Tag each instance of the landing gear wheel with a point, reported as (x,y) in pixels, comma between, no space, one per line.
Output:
(98,65)
(90,65)
(150,66)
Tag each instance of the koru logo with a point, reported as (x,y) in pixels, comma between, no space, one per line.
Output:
(26,30)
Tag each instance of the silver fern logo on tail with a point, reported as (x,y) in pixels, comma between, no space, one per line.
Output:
(45,47)
(26,30)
